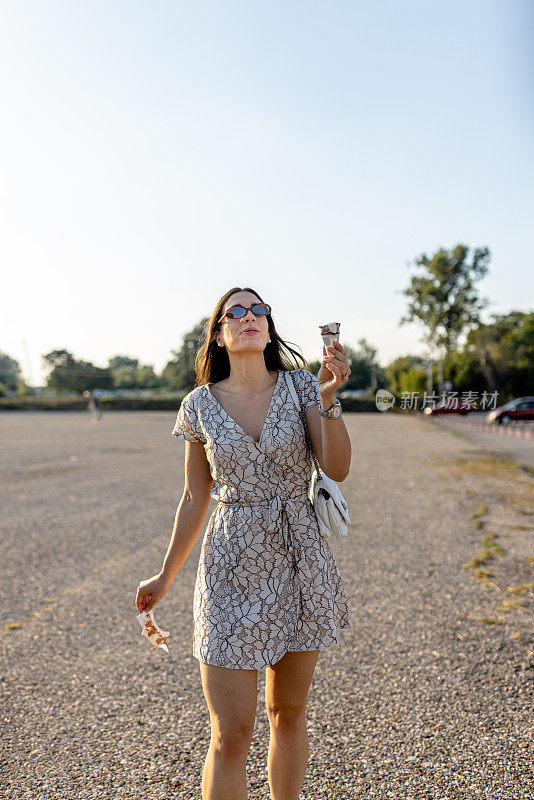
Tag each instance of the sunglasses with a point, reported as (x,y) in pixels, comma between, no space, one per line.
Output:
(237,312)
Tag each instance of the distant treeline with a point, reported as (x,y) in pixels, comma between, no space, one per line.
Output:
(474,356)
(495,357)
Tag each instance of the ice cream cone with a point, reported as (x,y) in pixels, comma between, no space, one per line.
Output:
(330,333)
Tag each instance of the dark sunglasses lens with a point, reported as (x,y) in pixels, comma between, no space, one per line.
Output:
(260,308)
(236,312)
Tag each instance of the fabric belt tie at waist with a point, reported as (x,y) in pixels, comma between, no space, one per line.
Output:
(278,515)
(282,514)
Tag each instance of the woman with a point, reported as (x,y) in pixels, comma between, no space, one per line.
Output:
(268,591)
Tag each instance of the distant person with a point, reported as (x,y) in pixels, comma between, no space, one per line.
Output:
(94,409)
(268,592)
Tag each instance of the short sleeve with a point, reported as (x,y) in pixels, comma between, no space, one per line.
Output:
(187,425)
(309,389)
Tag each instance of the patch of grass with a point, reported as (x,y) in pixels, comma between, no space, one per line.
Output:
(520,588)
(511,603)
(481,510)
(485,555)
(482,573)
(477,568)
(478,564)
(488,465)
(521,498)
(473,563)
(476,515)
(489,543)
(504,483)
(12,626)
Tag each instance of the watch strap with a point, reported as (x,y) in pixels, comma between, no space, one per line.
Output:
(326,412)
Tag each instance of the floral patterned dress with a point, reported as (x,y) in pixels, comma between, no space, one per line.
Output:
(267,581)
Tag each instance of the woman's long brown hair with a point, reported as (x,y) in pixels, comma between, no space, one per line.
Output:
(212,363)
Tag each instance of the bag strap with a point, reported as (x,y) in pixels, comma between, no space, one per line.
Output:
(295,394)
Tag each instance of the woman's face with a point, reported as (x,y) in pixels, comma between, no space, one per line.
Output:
(232,331)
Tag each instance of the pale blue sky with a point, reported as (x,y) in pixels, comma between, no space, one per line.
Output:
(156,154)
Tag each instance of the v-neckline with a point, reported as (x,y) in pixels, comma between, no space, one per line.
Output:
(227,415)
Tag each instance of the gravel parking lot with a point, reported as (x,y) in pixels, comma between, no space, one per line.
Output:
(515,441)
(429,696)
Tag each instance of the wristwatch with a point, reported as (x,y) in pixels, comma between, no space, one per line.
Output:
(333,412)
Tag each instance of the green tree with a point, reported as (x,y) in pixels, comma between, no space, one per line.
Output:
(147,377)
(126,362)
(406,374)
(466,372)
(68,374)
(23,390)
(124,371)
(129,374)
(179,373)
(314,366)
(444,299)
(366,372)
(10,373)
(508,342)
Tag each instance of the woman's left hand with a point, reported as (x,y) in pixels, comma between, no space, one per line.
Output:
(334,370)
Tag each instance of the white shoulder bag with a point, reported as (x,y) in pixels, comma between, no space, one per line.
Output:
(325,495)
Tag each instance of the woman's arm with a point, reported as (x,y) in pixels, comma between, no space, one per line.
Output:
(330,437)
(191,511)
(330,440)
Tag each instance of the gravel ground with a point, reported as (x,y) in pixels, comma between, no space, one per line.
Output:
(422,699)
(498,439)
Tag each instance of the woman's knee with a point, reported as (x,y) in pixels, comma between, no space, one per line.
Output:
(286,717)
(232,738)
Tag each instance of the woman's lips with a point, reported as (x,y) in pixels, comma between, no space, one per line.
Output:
(249,331)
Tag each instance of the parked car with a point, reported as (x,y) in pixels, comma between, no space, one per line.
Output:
(458,405)
(522,408)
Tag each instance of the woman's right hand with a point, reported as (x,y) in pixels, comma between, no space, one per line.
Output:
(150,592)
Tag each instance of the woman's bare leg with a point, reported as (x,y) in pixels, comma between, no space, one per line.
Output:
(286,692)
(231,695)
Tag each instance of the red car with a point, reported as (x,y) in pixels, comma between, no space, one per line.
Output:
(522,408)
(457,405)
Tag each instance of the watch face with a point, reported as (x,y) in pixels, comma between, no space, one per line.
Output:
(333,412)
